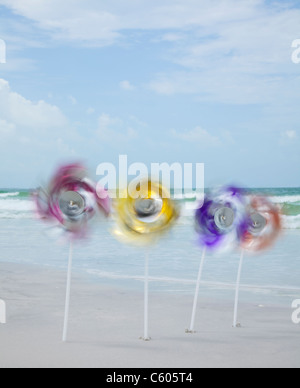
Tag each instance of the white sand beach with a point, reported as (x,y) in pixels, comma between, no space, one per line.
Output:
(106,323)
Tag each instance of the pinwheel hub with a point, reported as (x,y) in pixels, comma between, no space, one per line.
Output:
(148,208)
(72,204)
(224,218)
(257,223)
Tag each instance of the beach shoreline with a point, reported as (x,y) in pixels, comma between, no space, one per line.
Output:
(106,322)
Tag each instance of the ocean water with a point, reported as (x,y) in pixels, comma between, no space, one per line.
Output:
(17,204)
(269,277)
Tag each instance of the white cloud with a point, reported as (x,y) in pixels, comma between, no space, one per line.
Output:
(126,85)
(226,50)
(172,37)
(132,133)
(69,20)
(64,148)
(166,85)
(245,60)
(105,22)
(33,130)
(6,129)
(23,113)
(114,130)
(198,136)
(14,64)
(72,100)
(288,138)
(137,122)
(228,86)
(290,134)
(106,122)
(90,111)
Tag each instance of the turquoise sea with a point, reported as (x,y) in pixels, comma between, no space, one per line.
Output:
(269,277)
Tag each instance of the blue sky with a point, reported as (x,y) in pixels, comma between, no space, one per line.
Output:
(201,81)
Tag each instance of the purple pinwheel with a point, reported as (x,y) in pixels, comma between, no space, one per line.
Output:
(221,223)
(222,220)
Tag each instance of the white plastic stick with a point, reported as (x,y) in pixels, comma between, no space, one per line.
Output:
(146,299)
(237,291)
(192,325)
(68,293)
(2,311)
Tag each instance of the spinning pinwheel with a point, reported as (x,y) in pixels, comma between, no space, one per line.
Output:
(220,223)
(69,203)
(142,221)
(263,228)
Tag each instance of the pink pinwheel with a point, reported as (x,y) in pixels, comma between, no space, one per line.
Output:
(71,200)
